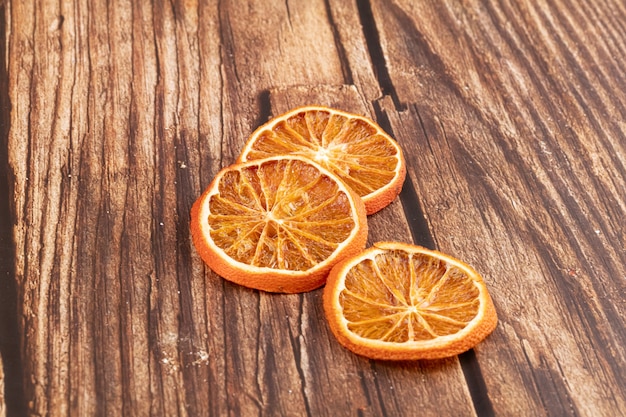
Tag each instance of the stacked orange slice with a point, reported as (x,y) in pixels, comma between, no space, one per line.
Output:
(291,215)
(355,148)
(296,201)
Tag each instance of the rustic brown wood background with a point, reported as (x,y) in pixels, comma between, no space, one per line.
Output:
(115,115)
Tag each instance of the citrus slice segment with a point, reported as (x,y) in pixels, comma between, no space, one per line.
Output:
(277,224)
(353,147)
(402,302)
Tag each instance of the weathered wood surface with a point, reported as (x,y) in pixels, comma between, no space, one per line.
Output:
(115,115)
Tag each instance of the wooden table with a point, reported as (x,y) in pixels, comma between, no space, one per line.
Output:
(115,116)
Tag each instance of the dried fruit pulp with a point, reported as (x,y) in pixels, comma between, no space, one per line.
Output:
(277,224)
(351,146)
(399,301)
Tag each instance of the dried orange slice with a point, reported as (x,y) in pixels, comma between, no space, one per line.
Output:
(400,301)
(353,147)
(277,224)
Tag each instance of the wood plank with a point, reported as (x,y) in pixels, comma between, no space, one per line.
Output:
(266,46)
(9,346)
(99,286)
(513,124)
(391,389)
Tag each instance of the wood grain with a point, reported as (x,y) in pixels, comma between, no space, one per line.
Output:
(116,115)
(535,174)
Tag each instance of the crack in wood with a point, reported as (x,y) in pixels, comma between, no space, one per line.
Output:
(377,56)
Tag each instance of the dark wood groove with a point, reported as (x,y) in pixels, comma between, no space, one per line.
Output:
(476,384)
(377,56)
(413,212)
(265,108)
(346,70)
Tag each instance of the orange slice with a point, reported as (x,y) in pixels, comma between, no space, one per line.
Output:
(353,147)
(277,224)
(400,301)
